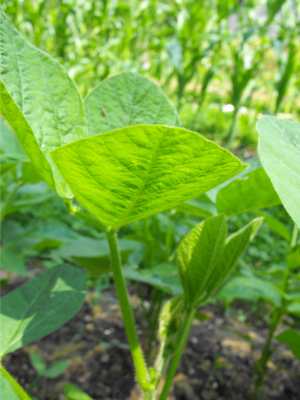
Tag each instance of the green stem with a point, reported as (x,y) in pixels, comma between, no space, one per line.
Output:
(187,323)
(32,386)
(232,130)
(86,217)
(277,314)
(136,351)
(266,354)
(9,200)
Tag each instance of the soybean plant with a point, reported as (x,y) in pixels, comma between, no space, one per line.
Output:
(123,155)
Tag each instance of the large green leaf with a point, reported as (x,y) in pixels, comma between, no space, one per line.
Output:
(198,253)
(127,99)
(9,387)
(24,132)
(292,339)
(46,96)
(40,306)
(252,192)
(250,288)
(279,151)
(131,173)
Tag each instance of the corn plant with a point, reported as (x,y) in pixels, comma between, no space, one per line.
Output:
(122,155)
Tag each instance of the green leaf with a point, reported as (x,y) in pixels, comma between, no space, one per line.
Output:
(24,132)
(94,254)
(48,236)
(294,308)
(29,173)
(279,151)
(40,306)
(12,260)
(57,369)
(29,202)
(38,362)
(11,148)
(205,258)
(197,254)
(235,245)
(275,225)
(43,97)
(286,72)
(200,207)
(9,387)
(293,260)
(73,392)
(9,141)
(5,165)
(127,99)
(132,173)
(250,288)
(155,277)
(253,191)
(291,338)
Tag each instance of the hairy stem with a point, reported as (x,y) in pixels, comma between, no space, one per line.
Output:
(136,351)
(187,323)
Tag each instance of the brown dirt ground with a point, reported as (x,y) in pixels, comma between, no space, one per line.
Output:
(216,364)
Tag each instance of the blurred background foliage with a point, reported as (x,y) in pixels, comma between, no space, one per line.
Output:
(222,62)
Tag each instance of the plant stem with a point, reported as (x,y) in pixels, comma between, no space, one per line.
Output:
(9,200)
(266,354)
(277,314)
(232,130)
(136,351)
(86,217)
(32,386)
(187,323)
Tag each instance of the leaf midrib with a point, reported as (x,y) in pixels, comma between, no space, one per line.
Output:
(136,197)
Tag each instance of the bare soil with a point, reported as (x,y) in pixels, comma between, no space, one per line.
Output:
(216,364)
